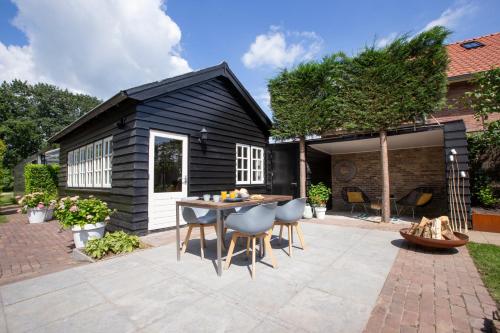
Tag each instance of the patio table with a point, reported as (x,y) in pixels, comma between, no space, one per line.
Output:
(219,207)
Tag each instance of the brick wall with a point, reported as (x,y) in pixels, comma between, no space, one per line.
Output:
(408,169)
(456,110)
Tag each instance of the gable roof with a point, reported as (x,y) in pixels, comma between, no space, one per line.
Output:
(150,90)
(466,62)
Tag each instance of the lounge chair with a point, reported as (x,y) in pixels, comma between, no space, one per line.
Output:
(353,196)
(419,197)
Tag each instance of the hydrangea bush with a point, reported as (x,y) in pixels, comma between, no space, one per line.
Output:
(75,211)
(38,200)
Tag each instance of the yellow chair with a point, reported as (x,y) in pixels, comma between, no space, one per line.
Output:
(353,196)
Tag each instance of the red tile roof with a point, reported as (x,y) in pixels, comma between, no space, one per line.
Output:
(463,61)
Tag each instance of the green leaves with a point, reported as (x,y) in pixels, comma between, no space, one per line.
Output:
(318,194)
(73,211)
(485,98)
(41,178)
(113,242)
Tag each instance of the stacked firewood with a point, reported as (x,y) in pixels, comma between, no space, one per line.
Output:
(438,228)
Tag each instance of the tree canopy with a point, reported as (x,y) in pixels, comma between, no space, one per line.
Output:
(485,98)
(401,83)
(31,114)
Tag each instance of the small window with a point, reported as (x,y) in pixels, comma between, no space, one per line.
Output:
(70,170)
(107,159)
(98,164)
(76,161)
(89,166)
(83,160)
(242,164)
(249,164)
(473,44)
(257,165)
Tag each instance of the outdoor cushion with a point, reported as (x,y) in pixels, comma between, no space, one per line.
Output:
(424,198)
(354,197)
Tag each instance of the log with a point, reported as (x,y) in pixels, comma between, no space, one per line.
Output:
(446,229)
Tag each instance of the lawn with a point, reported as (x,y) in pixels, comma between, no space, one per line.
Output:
(7,198)
(487,260)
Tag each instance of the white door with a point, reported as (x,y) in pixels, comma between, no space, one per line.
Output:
(167,177)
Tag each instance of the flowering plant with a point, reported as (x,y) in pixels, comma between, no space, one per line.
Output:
(74,211)
(38,200)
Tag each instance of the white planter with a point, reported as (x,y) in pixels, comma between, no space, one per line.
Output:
(308,213)
(50,214)
(89,231)
(36,215)
(320,212)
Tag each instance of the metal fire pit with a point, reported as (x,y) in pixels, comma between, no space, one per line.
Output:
(435,243)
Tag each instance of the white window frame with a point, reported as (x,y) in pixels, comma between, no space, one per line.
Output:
(81,170)
(76,158)
(259,165)
(98,163)
(242,158)
(89,182)
(69,180)
(107,160)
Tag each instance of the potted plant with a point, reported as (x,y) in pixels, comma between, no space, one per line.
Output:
(50,210)
(86,217)
(318,196)
(308,213)
(35,206)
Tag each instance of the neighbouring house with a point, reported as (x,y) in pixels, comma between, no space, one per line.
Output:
(468,58)
(50,156)
(151,145)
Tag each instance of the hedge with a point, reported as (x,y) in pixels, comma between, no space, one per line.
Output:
(41,178)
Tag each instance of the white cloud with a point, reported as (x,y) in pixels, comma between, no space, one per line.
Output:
(94,46)
(451,16)
(278,48)
(381,42)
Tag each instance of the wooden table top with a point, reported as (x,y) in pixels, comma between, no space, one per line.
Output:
(200,203)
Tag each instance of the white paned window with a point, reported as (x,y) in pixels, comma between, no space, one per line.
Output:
(70,170)
(257,166)
(83,160)
(89,166)
(242,164)
(98,163)
(76,158)
(107,159)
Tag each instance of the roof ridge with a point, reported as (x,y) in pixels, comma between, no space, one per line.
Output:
(473,38)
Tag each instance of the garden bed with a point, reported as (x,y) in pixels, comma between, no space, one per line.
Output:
(486,219)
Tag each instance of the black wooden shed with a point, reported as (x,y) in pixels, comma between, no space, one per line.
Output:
(148,146)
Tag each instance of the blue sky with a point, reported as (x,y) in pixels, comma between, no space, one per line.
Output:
(99,48)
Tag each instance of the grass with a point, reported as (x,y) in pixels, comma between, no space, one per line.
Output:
(7,198)
(3,219)
(487,260)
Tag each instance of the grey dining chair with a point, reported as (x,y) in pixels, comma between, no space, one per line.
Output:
(198,218)
(288,216)
(256,222)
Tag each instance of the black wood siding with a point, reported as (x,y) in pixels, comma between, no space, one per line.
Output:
(212,104)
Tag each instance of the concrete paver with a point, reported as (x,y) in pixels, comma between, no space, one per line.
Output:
(149,291)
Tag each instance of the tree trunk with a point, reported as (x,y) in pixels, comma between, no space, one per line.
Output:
(302,163)
(384,161)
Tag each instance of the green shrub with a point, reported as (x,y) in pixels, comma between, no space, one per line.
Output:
(319,194)
(487,197)
(113,242)
(41,178)
(73,211)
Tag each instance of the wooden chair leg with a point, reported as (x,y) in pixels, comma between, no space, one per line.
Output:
(300,234)
(202,236)
(290,240)
(230,251)
(253,257)
(186,240)
(281,233)
(248,246)
(269,250)
(202,245)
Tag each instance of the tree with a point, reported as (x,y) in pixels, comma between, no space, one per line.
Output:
(303,103)
(400,83)
(485,98)
(31,114)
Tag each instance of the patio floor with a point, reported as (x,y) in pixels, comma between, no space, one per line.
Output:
(332,287)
